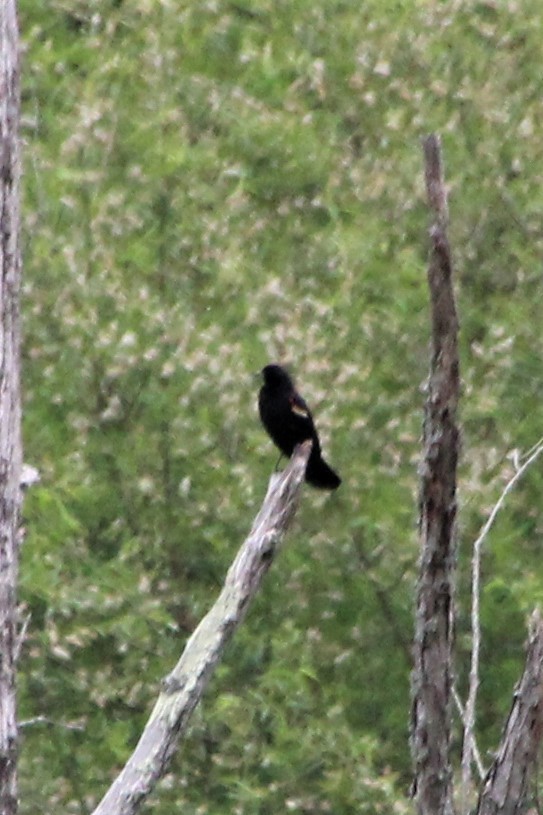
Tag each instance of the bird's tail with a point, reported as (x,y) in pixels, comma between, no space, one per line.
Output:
(320,474)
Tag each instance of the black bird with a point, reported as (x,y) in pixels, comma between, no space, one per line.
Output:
(288,420)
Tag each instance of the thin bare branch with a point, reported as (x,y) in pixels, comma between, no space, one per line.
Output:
(476,754)
(432,674)
(506,786)
(184,686)
(51,723)
(21,636)
(471,702)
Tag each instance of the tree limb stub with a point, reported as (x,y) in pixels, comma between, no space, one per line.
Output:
(432,673)
(184,686)
(506,785)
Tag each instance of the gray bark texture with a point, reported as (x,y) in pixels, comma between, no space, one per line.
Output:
(432,671)
(184,686)
(10,408)
(507,782)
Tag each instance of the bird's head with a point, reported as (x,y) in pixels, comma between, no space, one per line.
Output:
(275,376)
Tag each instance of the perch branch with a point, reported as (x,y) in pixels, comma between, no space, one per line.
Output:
(184,686)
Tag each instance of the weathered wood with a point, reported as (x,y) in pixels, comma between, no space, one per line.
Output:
(10,410)
(184,686)
(507,782)
(432,673)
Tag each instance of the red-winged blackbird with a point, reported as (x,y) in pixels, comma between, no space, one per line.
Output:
(288,420)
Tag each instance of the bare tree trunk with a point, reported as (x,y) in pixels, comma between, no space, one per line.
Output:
(432,673)
(10,410)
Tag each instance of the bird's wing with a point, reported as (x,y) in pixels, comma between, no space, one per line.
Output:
(298,406)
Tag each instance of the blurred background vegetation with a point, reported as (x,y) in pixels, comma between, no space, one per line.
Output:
(210,186)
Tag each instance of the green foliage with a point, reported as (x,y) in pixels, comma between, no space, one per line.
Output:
(209,187)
